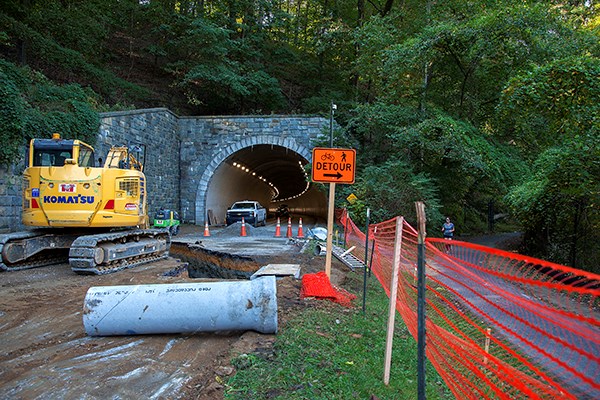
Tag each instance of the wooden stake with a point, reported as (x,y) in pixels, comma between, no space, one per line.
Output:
(348,251)
(487,344)
(393,297)
(330,229)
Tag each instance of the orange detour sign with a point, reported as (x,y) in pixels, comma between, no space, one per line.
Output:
(333,165)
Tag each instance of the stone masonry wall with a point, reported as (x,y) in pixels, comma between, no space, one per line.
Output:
(10,197)
(207,141)
(157,130)
(181,153)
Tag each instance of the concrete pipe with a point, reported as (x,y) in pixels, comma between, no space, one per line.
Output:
(181,308)
(320,249)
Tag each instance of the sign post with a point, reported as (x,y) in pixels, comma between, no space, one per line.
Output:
(330,165)
(328,254)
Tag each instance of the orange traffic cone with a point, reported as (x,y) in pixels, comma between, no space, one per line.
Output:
(278,228)
(300,233)
(289,229)
(243,231)
(206,231)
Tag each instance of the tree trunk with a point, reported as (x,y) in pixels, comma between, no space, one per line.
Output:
(426,72)
(387,8)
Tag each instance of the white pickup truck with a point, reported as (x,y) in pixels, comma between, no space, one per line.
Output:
(252,212)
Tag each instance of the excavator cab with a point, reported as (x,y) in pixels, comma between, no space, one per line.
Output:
(124,157)
(65,189)
(56,151)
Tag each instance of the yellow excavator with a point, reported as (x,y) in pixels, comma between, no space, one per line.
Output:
(94,217)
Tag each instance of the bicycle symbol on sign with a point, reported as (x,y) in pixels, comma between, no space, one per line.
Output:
(327,156)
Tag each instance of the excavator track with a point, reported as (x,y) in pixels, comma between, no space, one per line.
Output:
(114,251)
(33,249)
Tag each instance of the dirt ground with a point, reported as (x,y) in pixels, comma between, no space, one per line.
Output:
(46,354)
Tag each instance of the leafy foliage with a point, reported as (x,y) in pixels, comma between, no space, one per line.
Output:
(392,188)
(31,106)
(220,76)
(449,102)
(12,108)
(460,65)
(62,63)
(559,204)
(91,19)
(551,113)
(549,105)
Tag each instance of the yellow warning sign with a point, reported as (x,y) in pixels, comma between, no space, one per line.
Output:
(352,198)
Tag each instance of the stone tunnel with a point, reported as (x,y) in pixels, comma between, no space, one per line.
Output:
(201,165)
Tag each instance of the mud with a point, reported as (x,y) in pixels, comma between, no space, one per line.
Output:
(45,353)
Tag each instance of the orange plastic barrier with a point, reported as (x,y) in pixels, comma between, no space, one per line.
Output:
(498,324)
(318,286)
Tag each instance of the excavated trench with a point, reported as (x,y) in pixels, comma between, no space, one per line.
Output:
(205,263)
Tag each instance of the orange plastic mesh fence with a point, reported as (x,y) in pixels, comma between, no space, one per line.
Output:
(318,285)
(498,325)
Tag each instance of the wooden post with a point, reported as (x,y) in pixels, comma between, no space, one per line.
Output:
(393,296)
(488,332)
(328,255)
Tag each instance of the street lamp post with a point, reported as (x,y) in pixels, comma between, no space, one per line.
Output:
(332,111)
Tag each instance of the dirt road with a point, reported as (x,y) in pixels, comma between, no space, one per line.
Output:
(45,353)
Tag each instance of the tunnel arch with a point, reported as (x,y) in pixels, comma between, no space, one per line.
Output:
(225,153)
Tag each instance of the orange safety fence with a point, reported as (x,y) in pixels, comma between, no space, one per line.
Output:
(499,325)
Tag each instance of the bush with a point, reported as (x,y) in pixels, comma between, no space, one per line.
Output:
(32,106)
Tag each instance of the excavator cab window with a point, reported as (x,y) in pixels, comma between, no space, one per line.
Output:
(51,153)
(50,158)
(86,156)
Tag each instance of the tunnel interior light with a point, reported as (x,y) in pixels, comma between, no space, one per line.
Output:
(274,189)
(305,189)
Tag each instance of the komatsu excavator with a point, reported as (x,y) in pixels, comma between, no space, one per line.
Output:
(95,217)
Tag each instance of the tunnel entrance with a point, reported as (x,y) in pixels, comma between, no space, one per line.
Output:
(268,173)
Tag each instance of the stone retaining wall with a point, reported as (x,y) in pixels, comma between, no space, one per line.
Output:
(181,153)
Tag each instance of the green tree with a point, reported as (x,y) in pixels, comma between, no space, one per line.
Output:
(391,189)
(469,60)
(470,168)
(559,205)
(551,113)
(551,104)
